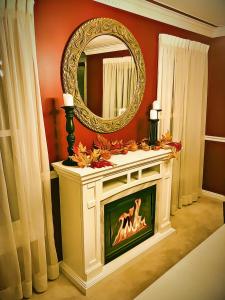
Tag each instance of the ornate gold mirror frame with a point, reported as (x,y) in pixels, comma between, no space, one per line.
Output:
(73,50)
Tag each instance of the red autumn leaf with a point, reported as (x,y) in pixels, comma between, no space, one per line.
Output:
(176,145)
(100,164)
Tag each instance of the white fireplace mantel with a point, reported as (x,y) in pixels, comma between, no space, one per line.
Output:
(83,193)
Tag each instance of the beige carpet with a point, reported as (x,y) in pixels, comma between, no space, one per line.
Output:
(193,224)
(200,275)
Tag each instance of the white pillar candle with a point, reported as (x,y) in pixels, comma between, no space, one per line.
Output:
(68,99)
(153,114)
(156,105)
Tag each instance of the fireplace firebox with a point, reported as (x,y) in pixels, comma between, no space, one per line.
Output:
(128,222)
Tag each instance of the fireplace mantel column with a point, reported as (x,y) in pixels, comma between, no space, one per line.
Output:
(164,200)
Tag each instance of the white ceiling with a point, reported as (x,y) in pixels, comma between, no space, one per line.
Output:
(211,11)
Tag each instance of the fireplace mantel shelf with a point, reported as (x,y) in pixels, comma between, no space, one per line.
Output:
(120,161)
(83,194)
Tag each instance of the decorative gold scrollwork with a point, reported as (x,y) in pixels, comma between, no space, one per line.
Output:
(76,45)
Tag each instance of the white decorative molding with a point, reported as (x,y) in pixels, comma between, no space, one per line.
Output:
(73,277)
(165,15)
(104,43)
(215,138)
(219,31)
(114,265)
(213,195)
(104,49)
(128,256)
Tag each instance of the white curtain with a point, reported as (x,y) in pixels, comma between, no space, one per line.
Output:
(27,250)
(182,90)
(119,81)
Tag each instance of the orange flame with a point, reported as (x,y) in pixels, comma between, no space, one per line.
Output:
(131,223)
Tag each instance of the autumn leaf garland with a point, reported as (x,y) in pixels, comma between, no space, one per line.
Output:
(103,149)
(166,142)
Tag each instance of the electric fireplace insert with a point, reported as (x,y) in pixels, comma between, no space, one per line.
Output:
(128,221)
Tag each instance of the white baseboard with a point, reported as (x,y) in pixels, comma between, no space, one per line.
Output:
(73,277)
(213,195)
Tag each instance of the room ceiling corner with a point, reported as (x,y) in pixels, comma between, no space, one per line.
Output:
(193,15)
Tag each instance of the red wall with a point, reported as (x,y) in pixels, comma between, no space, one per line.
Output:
(215,122)
(54,23)
(214,167)
(214,163)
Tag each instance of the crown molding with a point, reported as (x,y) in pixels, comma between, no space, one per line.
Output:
(219,31)
(104,43)
(104,49)
(164,15)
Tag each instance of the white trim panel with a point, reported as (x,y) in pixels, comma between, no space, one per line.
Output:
(164,15)
(219,31)
(114,265)
(104,49)
(213,195)
(215,138)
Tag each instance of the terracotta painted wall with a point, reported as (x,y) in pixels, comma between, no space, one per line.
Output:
(215,121)
(214,167)
(54,23)
(214,163)
(94,84)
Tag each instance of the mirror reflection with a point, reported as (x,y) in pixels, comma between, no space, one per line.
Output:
(106,76)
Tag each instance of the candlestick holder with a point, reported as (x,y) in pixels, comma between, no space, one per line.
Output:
(153,132)
(154,119)
(69,110)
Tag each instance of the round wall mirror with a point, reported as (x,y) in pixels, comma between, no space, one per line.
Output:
(103,68)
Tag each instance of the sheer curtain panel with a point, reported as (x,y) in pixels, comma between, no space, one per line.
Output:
(182,90)
(27,251)
(119,81)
